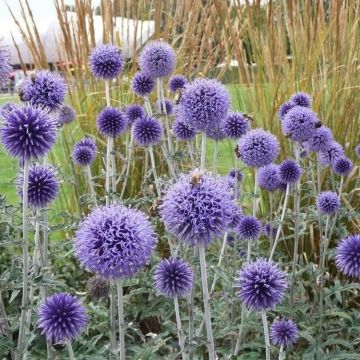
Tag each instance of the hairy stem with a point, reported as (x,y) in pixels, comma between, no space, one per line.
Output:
(91,184)
(108,170)
(119,286)
(266,334)
(203,151)
(70,350)
(153,168)
(128,164)
(179,328)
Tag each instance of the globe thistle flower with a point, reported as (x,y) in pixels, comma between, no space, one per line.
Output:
(66,114)
(183,131)
(258,148)
(300,123)
(236,216)
(333,152)
(177,82)
(173,277)
(111,122)
(342,166)
(270,230)
(62,317)
(235,125)
(45,89)
(284,109)
(357,151)
(157,59)
(114,241)
(301,99)
(347,256)
(43,186)
(5,108)
(147,131)
(106,62)
(84,152)
(142,84)
(134,112)
(267,177)
(327,202)
(249,228)
(261,285)
(168,107)
(28,132)
(197,208)
(97,288)
(5,67)
(204,103)
(215,133)
(87,141)
(289,171)
(320,140)
(284,332)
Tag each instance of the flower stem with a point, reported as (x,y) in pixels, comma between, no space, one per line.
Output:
(271,200)
(25,270)
(266,334)
(153,168)
(206,299)
(191,312)
(70,350)
(107,170)
(128,164)
(282,353)
(112,320)
(215,157)
(91,184)
(163,106)
(119,286)
(179,328)
(203,151)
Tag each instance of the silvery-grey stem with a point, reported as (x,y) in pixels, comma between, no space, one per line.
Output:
(168,160)
(215,157)
(153,168)
(70,350)
(147,105)
(341,186)
(113,170)
(112,320)
(203,151)
(163,105)
(91,184)
(128,164)
(191,311)
(282,353)
(271,199)
(242,323)
(254,211)
(107,92)
(266,334)
(108,170)
(179,328)
(119,286)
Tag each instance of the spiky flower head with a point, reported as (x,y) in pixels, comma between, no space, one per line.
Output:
(177,82)
(289,171)
(261,285)
(300,123)
(270,230)
(87,141)
(327,202)
(267,177)
(301,99)
(28,132)
(114,241)
(168,107)
(97,288)
(333,152)
(348,256)
(249,228)
(342,166)
(216,133)
(320,140)
(357,151)
(5,67)
(183,131)
(258,148)
(157,59)
(173,277)
(198,208)
(5,108)
(134,112)
(284,332)
(66,114)
(147,131)
(62,317)
(106,62)
(43,186)
(235,125)
(111,122)
(45,89)
(142,84)
(284,109)
(84,152)
(204,103)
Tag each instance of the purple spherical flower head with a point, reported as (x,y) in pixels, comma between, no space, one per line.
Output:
(284,332)
(168,107)
(198,208)
(66,114)
(62,317)
(357,151)
(333,152)
(300,123)
(87,141)
(348,256)
(301,99)
(183,131)
(173,278)
(204,103)
(267,177)
(327,202)
(111,122)
(142,84)
(114,241)
(45,89)
(177,82)
(258,148)
(43,186)
(5,67)
(285,108)
(157,59)
(134,112)
(342,166)
(235,125)
(215,133)
(28,132)
(147,131)
(106,62)
(261,285)
(84,152)
(289,171)
(6,108)
(270,230)
(320,140)
(249,228)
